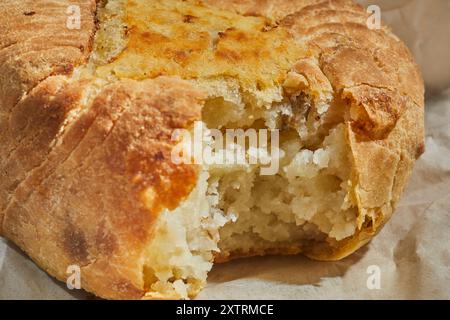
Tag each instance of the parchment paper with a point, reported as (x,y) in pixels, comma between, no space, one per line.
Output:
(412,253)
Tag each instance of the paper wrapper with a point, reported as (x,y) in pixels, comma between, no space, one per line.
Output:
(412,253)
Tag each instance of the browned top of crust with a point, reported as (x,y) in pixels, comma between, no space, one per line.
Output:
(197,41)
(372,69)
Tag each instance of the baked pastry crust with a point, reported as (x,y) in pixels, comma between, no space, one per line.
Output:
(77,157)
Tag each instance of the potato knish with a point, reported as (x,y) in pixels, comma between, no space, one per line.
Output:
(86,118)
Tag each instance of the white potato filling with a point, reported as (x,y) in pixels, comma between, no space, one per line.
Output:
(236,209)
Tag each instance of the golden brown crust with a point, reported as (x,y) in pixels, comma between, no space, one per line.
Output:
(195,41)
(34,45)
(83,204)
(291,249)
(382,170)
(74,170)
(373,72)
(273,9)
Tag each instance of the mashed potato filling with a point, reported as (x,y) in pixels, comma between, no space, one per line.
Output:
(304,201)
(308,199)
(237,211)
